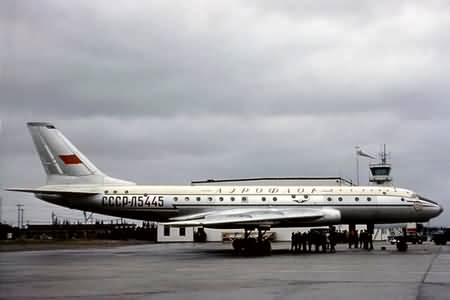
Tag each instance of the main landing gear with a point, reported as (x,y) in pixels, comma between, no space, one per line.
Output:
(250,246)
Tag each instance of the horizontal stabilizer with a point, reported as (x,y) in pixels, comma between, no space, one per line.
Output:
(55,192)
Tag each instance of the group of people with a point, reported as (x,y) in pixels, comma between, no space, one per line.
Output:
(322,241)
(363,239)
(325,240)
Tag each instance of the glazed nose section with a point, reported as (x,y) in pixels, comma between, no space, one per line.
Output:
(436,210)
(441,209)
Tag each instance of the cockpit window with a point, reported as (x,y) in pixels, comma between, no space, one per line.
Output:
(426,200)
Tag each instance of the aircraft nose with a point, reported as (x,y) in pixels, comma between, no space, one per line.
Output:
(437,210)
(441,209)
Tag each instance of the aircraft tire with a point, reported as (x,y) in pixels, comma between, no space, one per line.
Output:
(402,246)
(238,245)
(266,247)
(250,247)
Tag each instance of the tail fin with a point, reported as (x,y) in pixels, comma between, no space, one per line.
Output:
(62,161)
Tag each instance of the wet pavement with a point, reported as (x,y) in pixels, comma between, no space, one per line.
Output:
(212,271)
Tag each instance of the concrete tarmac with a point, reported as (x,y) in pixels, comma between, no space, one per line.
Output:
(211,271)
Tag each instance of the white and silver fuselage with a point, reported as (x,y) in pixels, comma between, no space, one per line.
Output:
(356,204)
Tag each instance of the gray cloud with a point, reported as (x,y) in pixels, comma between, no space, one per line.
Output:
(167,92)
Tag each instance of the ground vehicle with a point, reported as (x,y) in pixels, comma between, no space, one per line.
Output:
(441,237)
(413,238)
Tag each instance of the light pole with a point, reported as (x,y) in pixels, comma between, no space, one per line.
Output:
(19,215)
(357,164)
(358,153)
(1,207)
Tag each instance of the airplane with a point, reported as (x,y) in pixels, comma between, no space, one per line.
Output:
(75,182)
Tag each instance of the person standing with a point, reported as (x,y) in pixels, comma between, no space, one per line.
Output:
(310,240)
(299,241)
(316,239)
(304,241)
(292,241)
(332,238)
(323,241)
(350,239)
(366,240)
(296,242)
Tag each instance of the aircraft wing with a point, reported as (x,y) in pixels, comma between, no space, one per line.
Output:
(238,218)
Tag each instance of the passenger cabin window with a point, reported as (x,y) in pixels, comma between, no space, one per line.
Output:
(198,198)
(305,196)
(232,198)
(329,199)
(369,199)
(263,198)
(244,199)
(220,198)
(187,198)
(340,198)
(210,198)
(275,199)
(175,198)
(356,199)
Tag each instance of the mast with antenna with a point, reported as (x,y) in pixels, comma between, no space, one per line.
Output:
(380,172)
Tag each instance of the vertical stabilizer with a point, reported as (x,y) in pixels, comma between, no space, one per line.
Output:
(62,161)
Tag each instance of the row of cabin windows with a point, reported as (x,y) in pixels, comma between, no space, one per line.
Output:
(244,199)
(262,198)
(293,196)
(274,198)
(125,192)
(356,199)
(233,198)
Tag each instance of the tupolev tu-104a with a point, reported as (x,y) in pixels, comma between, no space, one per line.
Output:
(75,182)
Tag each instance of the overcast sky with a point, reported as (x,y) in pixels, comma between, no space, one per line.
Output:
(169,91)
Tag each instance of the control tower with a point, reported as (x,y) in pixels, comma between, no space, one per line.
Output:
(380,172)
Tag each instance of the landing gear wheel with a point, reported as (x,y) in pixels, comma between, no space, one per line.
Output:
(402,246)
(251,246)
(238,245)
(266,247)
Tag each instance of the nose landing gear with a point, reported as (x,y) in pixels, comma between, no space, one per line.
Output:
(250,246)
